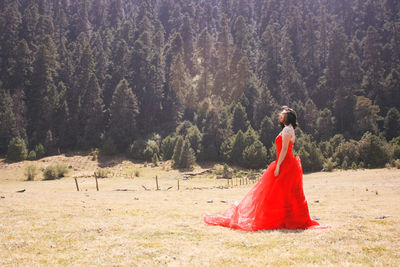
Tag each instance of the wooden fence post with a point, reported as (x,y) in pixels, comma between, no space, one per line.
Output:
(76,183)
(178,184)
(157,182)
(97,184)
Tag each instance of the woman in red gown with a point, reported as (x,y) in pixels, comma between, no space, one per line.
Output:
(277,201)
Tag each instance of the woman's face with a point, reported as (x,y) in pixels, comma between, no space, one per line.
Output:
(282,118)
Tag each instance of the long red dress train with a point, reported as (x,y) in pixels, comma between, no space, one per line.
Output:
(272,203)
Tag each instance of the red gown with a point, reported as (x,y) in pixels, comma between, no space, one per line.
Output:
(274,202)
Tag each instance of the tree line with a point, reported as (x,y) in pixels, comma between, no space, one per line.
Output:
(201,80)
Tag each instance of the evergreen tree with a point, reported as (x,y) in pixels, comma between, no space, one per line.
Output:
(7,120)
(204,50)
(212,137)
(188,44)
(240,121)
(265,106)
(123,112)
(238,147)
(392,124)
(92,119)
(11,21)
(269,61)
(255,155)
(372,50)
(351,76)
(291,84)
(17,150)
(177,152)
(42,95)
(224,47)
(187,158)
(267,132)
(325,124)
(366,116)
(332,80)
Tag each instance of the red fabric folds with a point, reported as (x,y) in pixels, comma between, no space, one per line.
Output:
(272,203)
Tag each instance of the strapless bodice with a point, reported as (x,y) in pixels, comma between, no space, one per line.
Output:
(278,142)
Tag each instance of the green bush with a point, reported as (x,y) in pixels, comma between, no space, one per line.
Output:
(238,146)
(194,136)
(349,150)
(17,150)
(397,163)
(344,164)
(226,149)
(109,147)
(32,155)
(167,147)
(395,143)
(39,150)
(183,156)
(374,151)
(31,172)
(329,165)
(154,160)
(62,170)
(143,150)
(50,173)
(187,158)
(151,149)
(255,155)
(354,165)
(101,173)
(55,172)
(309,153)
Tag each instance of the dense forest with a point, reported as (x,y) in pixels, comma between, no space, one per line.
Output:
(201,80)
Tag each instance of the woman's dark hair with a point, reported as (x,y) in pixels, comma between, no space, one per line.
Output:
(291,117)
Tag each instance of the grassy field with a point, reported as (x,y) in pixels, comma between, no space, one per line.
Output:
(50,223)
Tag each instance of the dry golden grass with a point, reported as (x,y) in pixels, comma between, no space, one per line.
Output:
(53,224)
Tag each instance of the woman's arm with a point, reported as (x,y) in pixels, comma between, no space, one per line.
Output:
(285,144)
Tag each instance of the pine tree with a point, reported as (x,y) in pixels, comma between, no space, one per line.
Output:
(267,132)
(238,147)
(188,44)
(366,116)
(177,152)
(224,47)
(240,121)
(212,138)
(11,21)
(42,95)
(255,155)
(123,112)
(351,76)
(29,23)
(204,50)
(373,66)
(187,157)
(92,119)
(391,92)
(392,124)
(265,106)
(7,120)
(325,124)
(269,60)
(292,85)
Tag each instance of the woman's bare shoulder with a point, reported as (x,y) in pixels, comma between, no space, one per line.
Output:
(288,130)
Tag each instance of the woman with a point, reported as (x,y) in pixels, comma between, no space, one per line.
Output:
(277,201)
